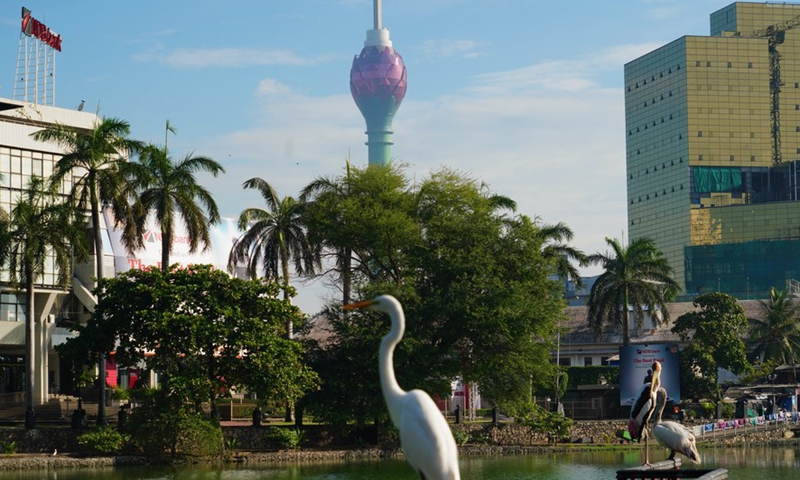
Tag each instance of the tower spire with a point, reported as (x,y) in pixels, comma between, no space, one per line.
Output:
(377,14)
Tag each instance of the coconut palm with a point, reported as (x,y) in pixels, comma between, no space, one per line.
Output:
(775,333)
(273,238)
(169,191)
(95,162)
(41,228)
(636,277)
(556,250)
(335,189)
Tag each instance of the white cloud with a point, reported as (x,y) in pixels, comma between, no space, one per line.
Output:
(226,58)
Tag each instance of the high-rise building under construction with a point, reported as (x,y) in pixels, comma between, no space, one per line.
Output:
(713,145)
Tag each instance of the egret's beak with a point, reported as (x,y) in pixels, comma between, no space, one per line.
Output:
(364,304)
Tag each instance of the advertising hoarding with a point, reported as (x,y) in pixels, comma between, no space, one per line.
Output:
(636,362)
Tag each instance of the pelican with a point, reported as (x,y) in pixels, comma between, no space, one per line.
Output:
(643,409)
(673,435)
(426,438)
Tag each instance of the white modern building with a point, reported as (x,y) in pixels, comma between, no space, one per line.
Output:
(21,157)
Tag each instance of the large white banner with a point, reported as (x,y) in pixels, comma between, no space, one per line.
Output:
(223,236)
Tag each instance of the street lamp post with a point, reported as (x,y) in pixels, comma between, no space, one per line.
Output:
(772,378)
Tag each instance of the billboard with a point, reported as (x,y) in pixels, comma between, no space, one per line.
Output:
(636,362)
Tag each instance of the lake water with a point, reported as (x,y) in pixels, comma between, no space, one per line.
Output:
(760,463)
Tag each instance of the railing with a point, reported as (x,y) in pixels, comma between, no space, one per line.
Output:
(743,425)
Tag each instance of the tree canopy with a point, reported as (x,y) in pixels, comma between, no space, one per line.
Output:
(472,280)
(636,277)
(205,331)
(715,334)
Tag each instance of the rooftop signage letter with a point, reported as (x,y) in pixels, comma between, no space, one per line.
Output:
(33,27)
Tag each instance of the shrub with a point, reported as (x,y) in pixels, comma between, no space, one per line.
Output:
(156,429)
(104,440)
(460,436)
(289,438)
(9,448)
(121,394)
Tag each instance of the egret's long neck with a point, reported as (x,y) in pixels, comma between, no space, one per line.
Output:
(391,389)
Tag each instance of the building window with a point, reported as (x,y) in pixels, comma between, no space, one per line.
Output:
(730,64)
(12,308)
(708,64)
(700,133)
(565,362)
(587,361)
(752,158)
(603,360)
(749,64)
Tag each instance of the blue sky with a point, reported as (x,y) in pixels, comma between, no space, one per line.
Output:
(524,95)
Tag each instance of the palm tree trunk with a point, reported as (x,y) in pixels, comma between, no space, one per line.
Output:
(98,259)
(30,413)
(289,414)
(166,241)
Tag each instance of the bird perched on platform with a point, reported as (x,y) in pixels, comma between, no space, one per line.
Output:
(426,438)
(673,435)
(643,409)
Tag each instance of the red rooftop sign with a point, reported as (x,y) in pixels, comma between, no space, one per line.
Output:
(33,27)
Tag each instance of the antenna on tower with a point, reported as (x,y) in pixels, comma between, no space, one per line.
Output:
(377,14)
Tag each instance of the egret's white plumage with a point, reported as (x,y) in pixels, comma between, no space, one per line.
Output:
(673,435)
(426,438)
(643,409)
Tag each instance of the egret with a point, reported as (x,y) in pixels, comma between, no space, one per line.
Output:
(642,410)
(673,435)
(425,437)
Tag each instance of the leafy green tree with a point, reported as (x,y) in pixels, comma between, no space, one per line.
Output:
(637,277)
(42,229)
(207,332)
(472,281)
(169,190)
(273,238)
(715,334)
(775,333)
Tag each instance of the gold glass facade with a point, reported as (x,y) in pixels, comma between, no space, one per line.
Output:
(700,162)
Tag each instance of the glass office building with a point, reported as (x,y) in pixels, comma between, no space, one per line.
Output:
(713,144)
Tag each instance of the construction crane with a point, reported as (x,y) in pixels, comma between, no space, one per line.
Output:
(775,35)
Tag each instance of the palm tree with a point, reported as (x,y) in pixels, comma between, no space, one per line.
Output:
(638,277)
(273,238)
(556,250)
(170,191)
(94,160)
(40,228)
(775,335)
(337,189)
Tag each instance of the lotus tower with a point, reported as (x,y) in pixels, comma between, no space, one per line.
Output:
(378,85)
